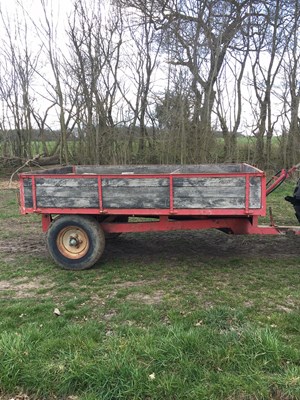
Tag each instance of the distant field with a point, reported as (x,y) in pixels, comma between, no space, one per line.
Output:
(182,315)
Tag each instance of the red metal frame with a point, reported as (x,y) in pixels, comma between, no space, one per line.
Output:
(280,177)
(235,225)
(277,180)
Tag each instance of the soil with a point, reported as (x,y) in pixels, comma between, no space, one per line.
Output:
(6,184)
(153,298)
(198,245)
(30,245)
(23,288)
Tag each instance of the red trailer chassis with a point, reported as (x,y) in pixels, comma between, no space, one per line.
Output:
(69,240)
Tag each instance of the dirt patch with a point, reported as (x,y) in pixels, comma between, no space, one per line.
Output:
(155,297)
(284,309)
(198,246)
(7,184)
(129,284)
(23,289)
(31,245)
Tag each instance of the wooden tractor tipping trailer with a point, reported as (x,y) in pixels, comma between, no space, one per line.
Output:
(82,205)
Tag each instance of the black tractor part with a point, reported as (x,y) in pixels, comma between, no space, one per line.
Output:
(295,200)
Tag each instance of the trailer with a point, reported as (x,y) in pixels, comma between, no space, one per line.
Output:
(82,206)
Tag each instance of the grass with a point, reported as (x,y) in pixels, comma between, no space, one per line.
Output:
(183,325)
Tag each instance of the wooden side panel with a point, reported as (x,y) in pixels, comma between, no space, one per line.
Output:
(208,193)
(136,193)
(67,193)
(28,200)
(215,193)
(255,200)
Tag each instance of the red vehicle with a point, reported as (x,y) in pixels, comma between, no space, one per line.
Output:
(82,205)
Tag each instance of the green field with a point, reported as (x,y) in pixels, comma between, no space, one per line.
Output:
(182,315)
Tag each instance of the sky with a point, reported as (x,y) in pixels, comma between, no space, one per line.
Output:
(32,9)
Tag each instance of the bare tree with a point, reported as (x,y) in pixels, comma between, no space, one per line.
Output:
(269,44)
(203,32)
(95,47)
(291,75)
(16,79)
(173,112)
(49,35)
(229,101)
(142,61)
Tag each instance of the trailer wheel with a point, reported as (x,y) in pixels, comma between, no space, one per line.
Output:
(75,242)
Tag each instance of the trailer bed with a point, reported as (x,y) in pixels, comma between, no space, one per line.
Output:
(202,190)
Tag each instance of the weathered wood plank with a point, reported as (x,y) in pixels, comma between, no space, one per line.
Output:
(206,192)
(28,191)
(63,202)
(255,192)
(67,182)
(27,182)
(207,203)
(73,192)
(135,183)
(136,203)
(28,196)
(67,193)
(139,197)
(63,182)
(205,182)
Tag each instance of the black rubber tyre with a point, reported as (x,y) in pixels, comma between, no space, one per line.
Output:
(75,242)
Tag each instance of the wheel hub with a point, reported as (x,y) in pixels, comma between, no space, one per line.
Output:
(73,242)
